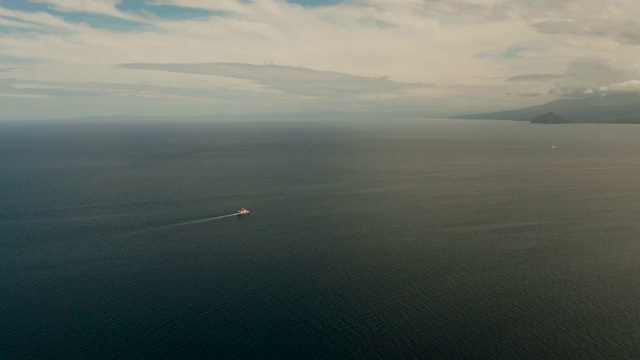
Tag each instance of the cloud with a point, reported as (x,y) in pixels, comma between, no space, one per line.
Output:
(102,89)
(34,20)
(593,73)
(535,77)
(531,94)
(24,96)
(631,85)
(229,6)
(454,10)
(628,32)
(356,54)
(509,53)
(294,80)
(586,75)
(616,19)
(102,7)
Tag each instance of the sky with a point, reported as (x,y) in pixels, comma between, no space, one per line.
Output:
(77,58)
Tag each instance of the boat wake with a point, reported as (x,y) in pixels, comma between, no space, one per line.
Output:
(180,224)
(201,220)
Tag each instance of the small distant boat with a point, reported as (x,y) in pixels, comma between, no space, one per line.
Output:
(243,211)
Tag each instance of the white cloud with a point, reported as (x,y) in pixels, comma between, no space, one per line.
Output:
(596,73)
(294,80)
(631,85)
(38,20)
(232,6)
(535,77)
(369,52)
(104,7)
(616,19)
(24,96)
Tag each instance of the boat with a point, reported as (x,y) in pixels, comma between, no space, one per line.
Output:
(243,211)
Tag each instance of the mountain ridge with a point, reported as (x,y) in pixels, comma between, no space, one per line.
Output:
(549,118)
(603,108)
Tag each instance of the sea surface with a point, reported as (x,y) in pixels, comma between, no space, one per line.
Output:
(369,239)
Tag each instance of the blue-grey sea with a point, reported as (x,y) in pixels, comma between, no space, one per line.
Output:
(367,239)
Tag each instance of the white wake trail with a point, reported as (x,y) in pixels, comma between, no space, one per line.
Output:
(180,224)
(201,220)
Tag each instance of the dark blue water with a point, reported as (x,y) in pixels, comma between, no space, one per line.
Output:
(433,239)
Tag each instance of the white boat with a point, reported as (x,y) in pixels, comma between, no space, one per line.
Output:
(243,211)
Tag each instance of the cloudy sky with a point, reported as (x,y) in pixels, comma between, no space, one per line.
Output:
(73,58)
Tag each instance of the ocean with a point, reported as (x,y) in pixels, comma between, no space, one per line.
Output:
(369,239)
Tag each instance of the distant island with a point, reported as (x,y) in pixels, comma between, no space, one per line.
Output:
(549,118)
(622,108)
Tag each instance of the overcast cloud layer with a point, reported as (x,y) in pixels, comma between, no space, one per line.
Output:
(71,58)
